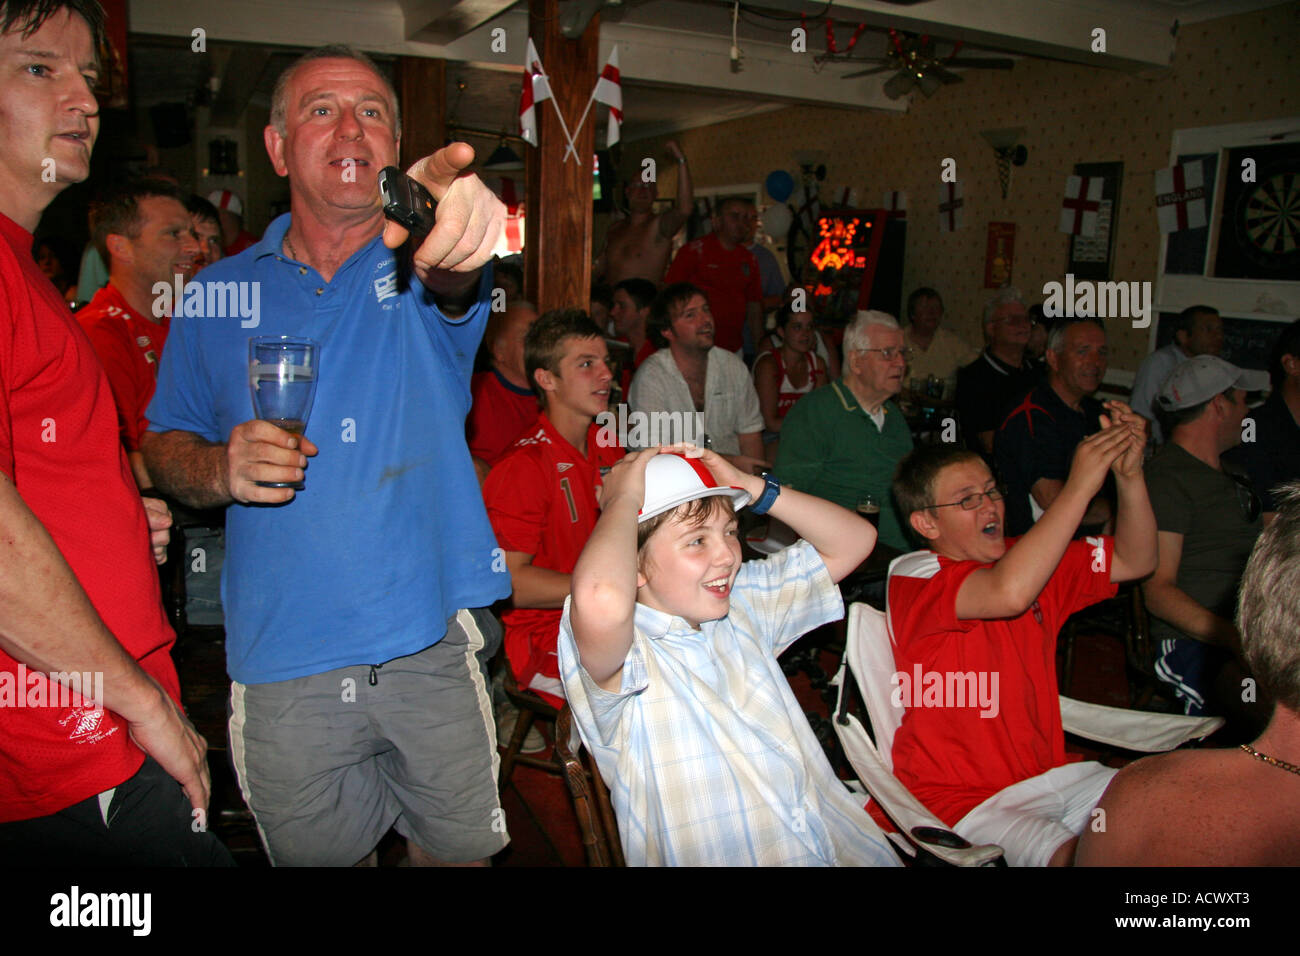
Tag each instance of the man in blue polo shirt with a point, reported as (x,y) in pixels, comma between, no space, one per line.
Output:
(357,703)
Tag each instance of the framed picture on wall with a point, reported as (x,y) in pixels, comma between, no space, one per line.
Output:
(1090,257)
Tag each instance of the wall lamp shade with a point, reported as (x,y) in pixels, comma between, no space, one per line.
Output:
(503,159)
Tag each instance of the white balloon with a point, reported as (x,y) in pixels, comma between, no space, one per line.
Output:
(776,221)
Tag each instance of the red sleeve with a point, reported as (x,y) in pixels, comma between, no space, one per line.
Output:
(921,606)
(517,502)
(111,341)
(684,265)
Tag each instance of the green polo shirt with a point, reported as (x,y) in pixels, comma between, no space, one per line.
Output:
(831,448)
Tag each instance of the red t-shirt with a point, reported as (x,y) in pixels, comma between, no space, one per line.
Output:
(729,280)
(953,758)
(243,240)
(130,347)
(541,500)
(59,445)
(500,412)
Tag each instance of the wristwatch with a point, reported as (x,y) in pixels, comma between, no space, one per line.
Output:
(771,488)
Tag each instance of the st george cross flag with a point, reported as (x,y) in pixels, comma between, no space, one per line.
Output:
(1180,197)
(950,204)
(537,89)
(610,92)
(896,202)
(1082,200)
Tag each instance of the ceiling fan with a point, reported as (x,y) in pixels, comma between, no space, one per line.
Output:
(913,59)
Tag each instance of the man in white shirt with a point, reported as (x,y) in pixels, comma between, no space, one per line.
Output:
(689,375)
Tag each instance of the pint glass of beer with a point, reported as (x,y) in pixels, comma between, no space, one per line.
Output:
(282,376)
(869,508)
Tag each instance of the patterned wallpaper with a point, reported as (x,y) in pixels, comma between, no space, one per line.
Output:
(1229,70)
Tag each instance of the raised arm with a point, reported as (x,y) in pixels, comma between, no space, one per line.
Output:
(673,220)
(1136,549)
(469,222)
(204,474)
(602,609)
(48,623)
(1010,586)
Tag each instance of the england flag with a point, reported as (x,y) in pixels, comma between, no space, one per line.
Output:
(537,89)
(610,92)
(1180,197)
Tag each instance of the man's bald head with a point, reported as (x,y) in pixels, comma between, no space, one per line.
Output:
(504,339)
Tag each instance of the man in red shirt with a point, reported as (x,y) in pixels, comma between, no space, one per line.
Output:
(502,403)
(234,237)
(728,273)
(112,780)
(543,495)
(147,232)
(974,624)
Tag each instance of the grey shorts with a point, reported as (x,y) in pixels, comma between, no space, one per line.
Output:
(328,763)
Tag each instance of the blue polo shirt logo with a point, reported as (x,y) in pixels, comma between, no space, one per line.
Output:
(386,287)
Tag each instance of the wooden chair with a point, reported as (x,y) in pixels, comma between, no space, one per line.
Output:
(531,710)
(591,803)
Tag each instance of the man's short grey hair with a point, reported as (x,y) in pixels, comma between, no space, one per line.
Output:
(1056,337)
(1001,298)
(856,335)
(1268,620)
(334,51)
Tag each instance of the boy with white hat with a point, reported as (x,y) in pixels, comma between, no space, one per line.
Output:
(668,650)
(1207,520)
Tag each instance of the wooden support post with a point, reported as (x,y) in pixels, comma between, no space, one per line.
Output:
(421,89)
(557,237)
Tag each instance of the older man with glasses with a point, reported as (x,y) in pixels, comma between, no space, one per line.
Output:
(844,441)
(1207,520)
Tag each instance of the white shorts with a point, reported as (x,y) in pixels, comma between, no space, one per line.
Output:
(1030,819)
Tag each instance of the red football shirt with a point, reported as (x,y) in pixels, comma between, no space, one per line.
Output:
(500,412)
(729,279)
(59,445)
(130,347)
(952,758)
(541,500)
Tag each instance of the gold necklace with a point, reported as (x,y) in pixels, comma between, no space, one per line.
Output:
(289,245)
(1281,764)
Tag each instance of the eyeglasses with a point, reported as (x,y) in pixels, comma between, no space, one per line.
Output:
(971,502)
(890,354)
(1250,504)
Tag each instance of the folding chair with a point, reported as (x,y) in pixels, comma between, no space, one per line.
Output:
(869,663)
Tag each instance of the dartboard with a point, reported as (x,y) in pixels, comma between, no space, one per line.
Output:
(1269,217)
(1262,218)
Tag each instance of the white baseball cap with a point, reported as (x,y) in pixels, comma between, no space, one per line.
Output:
(1199,379)
(672,479)
(225,199)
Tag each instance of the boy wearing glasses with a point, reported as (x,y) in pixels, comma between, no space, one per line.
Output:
(977,607)
(1208,520)
(843,442)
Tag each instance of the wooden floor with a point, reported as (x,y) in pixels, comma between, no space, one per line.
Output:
(540,818)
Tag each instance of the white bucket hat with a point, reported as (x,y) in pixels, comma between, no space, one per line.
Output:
(672,479)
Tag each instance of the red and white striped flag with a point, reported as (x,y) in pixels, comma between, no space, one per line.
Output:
(1180,197)
(950,203)
(610,92)
(1079,208)
(537,89)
